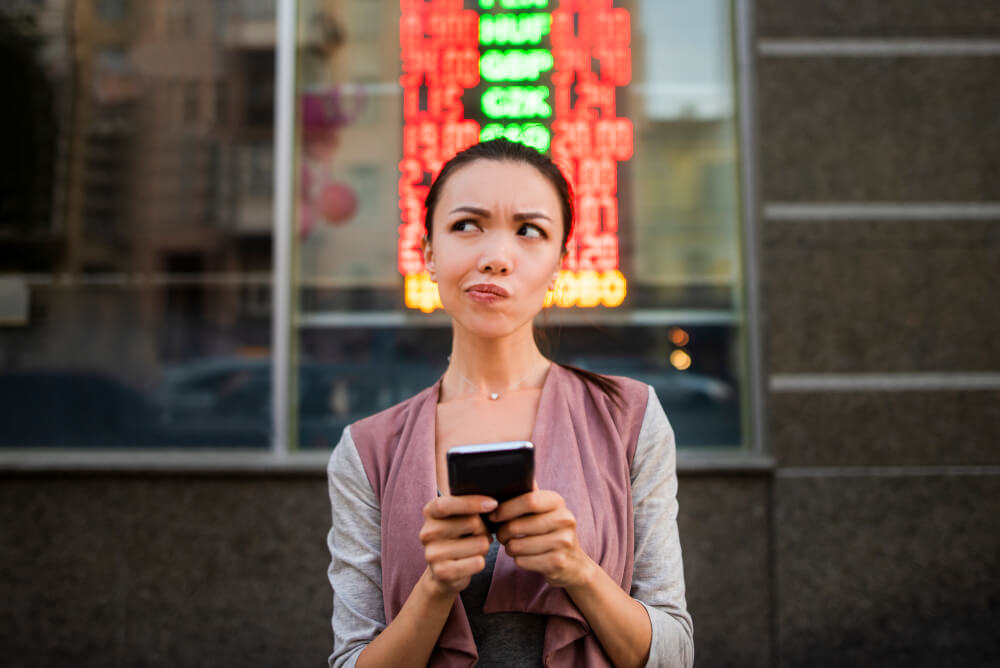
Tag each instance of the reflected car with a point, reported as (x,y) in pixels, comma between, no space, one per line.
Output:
(216,402)
(73,408)
(672,387)
(226,402)
(702,410)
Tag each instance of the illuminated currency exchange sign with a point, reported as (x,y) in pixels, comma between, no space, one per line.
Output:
(545,73)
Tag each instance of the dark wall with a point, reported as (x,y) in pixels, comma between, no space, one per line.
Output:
(164,571)
(175,570)
(886,508)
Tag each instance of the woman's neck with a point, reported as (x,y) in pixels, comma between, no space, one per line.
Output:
(486,366)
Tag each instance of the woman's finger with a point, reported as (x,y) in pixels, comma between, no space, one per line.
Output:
(447,506)
(455,570)
(456,548)
(532,545)
(534,525)
(455,526)
(532,503)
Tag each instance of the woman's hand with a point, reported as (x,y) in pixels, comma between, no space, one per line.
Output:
(455,540)
(539,532)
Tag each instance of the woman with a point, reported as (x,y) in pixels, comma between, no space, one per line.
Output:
(590,572)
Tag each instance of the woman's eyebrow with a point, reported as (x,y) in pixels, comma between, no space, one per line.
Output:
(484,213)
(475,210)
(532,215)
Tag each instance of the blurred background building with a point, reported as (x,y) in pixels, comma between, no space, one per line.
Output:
(198,292)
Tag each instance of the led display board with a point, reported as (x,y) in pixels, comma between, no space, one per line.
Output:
(540,72)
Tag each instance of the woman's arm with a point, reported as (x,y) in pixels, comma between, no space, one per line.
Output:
(658,571)
(455,545)
(652,626)
(410,639)
(355,543)
(540,534)
(620,622)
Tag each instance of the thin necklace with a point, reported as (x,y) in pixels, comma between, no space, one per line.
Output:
(493,396)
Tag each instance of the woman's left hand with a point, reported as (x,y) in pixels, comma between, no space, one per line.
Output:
(539,532)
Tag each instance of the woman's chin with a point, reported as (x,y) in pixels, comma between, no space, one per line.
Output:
(488,331)
(490,326)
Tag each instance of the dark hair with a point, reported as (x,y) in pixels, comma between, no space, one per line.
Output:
(504,150)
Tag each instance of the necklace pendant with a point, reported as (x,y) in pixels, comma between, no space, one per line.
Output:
(494,396)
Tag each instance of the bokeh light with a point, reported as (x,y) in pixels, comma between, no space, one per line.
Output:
(678,337)
(680,359)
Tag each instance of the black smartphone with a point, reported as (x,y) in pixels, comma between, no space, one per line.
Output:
(498,470)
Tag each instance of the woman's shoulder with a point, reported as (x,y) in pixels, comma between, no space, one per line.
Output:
(631,387)
(607,401)
(633,394)
(382,426)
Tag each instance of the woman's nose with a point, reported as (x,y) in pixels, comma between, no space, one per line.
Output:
(495,258)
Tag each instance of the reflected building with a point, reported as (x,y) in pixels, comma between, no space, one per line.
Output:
(204,166)
(159,206)
(350,68)
(686,208)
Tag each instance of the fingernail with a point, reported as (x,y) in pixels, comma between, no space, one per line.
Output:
(489,504)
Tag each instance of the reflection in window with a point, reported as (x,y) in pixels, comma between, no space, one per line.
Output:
(112,10)
(136,224)
(137,287)
(190,102)
(259,89)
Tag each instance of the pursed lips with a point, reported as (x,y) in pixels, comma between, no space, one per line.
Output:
(487,290)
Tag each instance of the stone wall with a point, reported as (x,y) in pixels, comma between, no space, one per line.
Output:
(879,142)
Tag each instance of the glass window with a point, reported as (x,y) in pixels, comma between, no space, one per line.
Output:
(137,213)
(635,99)
(112,10)
(136,234)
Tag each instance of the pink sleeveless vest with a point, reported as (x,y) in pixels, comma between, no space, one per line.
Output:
(583,449)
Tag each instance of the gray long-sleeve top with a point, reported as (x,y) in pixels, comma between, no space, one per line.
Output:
(658,573)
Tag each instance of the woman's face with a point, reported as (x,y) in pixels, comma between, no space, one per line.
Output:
(496,245)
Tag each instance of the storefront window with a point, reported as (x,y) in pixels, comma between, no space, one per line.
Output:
(137,208)
(634,99)
(136,223)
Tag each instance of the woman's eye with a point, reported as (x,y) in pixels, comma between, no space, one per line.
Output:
(463,226)
(528,230)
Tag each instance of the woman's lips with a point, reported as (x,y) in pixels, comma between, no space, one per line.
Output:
(486,292)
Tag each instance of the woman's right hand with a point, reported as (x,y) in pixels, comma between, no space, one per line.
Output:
(455,540)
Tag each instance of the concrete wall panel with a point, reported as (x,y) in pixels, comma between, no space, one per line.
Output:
(888,571)
(879,129)
(885,18)
(885,428)
(852,296)
(724,528)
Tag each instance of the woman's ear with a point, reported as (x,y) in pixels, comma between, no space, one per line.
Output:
(428,251)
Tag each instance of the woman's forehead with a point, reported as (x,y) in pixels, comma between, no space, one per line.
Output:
(491,182)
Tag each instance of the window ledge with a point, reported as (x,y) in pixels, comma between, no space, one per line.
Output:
(258,462)
(199,462)
(698,461)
